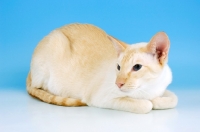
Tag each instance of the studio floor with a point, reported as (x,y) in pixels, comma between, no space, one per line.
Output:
(21,113)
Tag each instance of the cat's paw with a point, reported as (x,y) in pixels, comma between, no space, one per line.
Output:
(143,107)
(164,102)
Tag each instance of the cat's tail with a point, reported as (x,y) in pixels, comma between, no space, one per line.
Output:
(50,98)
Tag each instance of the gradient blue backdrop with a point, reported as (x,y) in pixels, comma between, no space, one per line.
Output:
(23,23)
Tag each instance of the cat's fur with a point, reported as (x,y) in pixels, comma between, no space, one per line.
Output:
(76,65)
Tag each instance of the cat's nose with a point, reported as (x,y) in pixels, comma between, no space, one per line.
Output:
(119,84)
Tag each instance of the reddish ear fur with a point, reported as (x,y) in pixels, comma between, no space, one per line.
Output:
(120,47)
(159,45)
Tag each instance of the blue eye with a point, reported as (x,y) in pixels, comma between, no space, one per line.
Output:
(118,67)
(137,67)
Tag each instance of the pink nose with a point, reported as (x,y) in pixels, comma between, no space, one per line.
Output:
(119,84)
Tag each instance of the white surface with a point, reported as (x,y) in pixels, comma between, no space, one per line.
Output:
(21,113)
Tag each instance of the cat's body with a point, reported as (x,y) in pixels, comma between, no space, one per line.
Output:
(77,65)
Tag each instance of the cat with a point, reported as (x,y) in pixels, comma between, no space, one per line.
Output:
(79,65)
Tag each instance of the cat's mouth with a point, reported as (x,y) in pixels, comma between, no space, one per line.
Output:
(128,89)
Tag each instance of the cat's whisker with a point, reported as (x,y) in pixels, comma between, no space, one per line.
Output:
(144,92)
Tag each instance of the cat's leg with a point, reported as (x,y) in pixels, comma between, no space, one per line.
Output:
(138,106)
(167,101)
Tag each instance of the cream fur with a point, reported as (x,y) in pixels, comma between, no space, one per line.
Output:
(78,62)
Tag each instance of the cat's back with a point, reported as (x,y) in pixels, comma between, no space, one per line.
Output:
(86,39)
(81,30)
(77,39)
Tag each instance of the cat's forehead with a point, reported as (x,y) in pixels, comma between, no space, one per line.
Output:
(134,53)
(135,49)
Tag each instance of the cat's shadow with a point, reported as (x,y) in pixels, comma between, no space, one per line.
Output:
(40,112)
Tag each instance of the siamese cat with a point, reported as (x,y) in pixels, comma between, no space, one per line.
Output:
(79,65)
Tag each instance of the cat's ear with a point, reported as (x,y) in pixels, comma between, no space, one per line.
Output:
(159,45)
(119,46)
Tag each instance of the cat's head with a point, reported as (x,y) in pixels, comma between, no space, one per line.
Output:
(142,63)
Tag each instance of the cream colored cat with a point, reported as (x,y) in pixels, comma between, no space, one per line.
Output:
(79,64)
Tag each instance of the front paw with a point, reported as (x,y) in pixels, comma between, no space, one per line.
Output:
(143,107)
(164,102)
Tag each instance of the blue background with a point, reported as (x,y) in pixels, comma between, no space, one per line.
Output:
(23,23)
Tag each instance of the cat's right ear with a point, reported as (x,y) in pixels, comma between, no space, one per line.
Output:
(160,45)
(118,46)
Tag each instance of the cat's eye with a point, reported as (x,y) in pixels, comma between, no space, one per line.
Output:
(118,67)
(137,67)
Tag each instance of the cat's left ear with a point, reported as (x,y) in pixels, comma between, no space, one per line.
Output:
(119,46)
(159,45)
